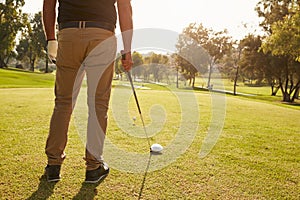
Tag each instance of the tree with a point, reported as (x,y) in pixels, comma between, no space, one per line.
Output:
(118,66)
(246,60)
(273,11)
(146,71)
(32,45)
(281,44)
(285,37)
(38,39)
(155,64)
(11,21)
(216,43)
(285,42)
(23,48)
(137,69)
(191,58)
(253,60)
(274,71)
(231,64)
(158,66)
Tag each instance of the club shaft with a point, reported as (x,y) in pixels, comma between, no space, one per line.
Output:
(134,93)
(138,106)
(145,130)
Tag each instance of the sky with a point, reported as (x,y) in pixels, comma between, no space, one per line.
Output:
(175,15)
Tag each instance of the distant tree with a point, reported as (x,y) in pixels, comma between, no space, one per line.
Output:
(227,64)
(191,58)
(217,44)
(118,66)
(137,69)
(155,64)
(161,68)
(11,22)
(230,64)
(253,60)
(175,66)
(187,69)
(146,71)
(247,62)
(32,45)
(24,51)
(167,64)
(38,39)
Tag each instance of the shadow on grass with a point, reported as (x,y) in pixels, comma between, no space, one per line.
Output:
(146,172)
(293,104)
(87,191)
(145,176)
(44,190)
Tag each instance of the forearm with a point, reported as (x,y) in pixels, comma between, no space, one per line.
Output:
(126,24)
(49,18)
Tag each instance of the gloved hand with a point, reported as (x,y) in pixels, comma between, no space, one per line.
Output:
(52,50)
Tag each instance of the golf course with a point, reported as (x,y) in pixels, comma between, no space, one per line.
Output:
(256,154)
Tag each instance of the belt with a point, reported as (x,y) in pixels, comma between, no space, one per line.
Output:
(86,24)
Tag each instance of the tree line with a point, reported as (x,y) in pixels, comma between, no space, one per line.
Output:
(270,58)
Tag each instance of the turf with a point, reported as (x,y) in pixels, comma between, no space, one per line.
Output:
(256,156)
(14,78)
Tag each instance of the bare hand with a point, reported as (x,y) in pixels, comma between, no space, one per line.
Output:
(127,61)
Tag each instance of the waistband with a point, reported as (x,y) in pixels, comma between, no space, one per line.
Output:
(86,24)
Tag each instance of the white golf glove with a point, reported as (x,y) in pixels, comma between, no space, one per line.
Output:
(52,50)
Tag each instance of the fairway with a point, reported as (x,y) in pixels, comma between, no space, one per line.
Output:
(256,156)
(193,102)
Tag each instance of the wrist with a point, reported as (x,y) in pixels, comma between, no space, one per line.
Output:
(126,51)
(50,39)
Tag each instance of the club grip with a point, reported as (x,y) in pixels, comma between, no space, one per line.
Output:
(123,55)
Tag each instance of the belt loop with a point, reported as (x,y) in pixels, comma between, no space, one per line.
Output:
(83,24)
(80,23)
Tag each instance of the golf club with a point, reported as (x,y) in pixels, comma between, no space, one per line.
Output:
(154,147)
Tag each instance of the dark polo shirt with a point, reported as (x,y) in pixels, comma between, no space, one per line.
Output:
(87,10)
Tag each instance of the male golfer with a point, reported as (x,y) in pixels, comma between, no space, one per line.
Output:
(85,45)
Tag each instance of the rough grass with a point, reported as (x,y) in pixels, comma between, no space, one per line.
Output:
(14,78)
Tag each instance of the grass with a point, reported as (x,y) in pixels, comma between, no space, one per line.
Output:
(256,156)
(14,78)
(254,93)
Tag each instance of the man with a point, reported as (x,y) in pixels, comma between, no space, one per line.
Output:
(86,45)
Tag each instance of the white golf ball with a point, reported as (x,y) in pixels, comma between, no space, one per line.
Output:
(156,148)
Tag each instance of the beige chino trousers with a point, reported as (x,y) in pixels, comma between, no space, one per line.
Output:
(81,51)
